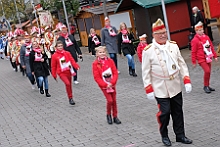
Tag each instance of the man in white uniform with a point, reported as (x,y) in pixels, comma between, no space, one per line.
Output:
(161,66)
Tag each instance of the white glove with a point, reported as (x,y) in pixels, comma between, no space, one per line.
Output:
(188,88)
(151,96)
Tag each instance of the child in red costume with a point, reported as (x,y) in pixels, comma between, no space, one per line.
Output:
(62,64)
(106,76)
(203,52)
(141,46)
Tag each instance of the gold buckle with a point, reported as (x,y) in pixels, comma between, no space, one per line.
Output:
(171,77)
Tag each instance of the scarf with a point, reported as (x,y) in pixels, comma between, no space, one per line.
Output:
(37,50)
(67,39)
(171,63)
(38,56)
(64,61)
(106,69)
(111,31)
(125,38)
(27,48)
(95,39)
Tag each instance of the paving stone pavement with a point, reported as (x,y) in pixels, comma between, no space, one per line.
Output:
(29,119)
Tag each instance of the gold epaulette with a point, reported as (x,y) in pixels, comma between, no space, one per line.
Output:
(147,47)
(174,42)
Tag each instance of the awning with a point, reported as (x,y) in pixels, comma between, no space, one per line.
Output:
(143,3)
(99,9)
(29,25)
(22,24)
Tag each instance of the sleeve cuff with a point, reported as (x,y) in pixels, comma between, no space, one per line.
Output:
(186,80)
(149,89)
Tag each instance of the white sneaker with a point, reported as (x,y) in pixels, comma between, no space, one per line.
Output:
(33,86)
(76,82)
(119,72)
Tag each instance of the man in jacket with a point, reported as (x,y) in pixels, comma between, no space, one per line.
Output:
(161,65)
(70,45)
(24,58)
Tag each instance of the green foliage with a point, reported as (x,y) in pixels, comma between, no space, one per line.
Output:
(9,8)
(72,6)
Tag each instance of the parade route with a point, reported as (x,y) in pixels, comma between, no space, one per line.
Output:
(29,119)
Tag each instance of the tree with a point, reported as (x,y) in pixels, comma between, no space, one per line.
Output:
(72,6)
(10,11)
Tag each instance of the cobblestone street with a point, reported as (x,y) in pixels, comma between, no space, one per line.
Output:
(29,119)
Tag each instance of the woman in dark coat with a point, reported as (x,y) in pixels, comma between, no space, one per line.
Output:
(125,45)
(93,41)
(39,67)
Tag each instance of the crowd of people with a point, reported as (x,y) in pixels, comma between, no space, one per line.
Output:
(54,51)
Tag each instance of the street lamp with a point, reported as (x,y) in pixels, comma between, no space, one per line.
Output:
(18,15)
(35,14)
(67,22)
(165,19)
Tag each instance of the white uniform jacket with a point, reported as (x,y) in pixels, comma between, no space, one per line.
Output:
(155,74)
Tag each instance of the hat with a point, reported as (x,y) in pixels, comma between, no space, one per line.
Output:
(18,32)
(63,27)
(198,26)
(26,35)
(107,19)
(34,29)
(143,37)
(158,25)
(10,34)
(58,26)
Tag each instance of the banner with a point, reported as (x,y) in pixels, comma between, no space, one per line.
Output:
(45,18)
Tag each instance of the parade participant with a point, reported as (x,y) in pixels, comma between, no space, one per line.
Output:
(125,45)
(203,52)
(55,37)
(2,49)
(24,58)
(39,67)
(106,75)
(161,66)
(93,41)
(9,49)
(16,48)
(70,45)
(62,64)
(34,33)
(141,46)
(48,43)
(109,39)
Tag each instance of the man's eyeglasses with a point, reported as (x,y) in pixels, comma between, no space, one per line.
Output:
(161,33)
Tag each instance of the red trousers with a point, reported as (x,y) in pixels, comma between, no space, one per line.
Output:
(111,102)
(207,72)
(67,80)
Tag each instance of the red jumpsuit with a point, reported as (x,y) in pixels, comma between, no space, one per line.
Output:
(65,75)
(97,68)
(199,55)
